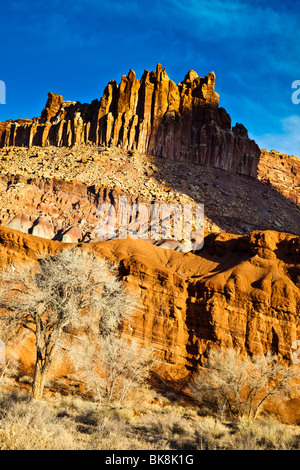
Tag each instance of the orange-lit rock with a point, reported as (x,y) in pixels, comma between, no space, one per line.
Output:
(282,172)
(240,291)
(152,115)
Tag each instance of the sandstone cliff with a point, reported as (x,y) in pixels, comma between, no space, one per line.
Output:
(240,291)
(153,115)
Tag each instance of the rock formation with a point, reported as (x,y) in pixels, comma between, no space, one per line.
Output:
(282,172)
(66,186)
(20,222)
(153,115)
(43,228)
(240,291)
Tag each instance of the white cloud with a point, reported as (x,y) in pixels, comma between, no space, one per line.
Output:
(238,18)
(265,32)
(286,141)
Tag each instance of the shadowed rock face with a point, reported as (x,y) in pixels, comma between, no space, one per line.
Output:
(152,115)
(66,186)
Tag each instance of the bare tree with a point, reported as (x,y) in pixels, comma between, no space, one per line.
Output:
(240,384)
(72,290)
(10,361)
(112,366)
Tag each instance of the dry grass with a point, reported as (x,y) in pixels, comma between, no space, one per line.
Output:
(30,425)
(70,422)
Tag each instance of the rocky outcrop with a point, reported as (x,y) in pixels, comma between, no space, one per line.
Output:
(20,222)
(72,235)
(66,188)
(282,172)
(237,291)
(240,291)
(43,228)
(153,115)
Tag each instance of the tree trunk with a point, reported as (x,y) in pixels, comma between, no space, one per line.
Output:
(39,380)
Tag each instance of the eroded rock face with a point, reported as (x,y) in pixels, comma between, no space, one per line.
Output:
(153,115)
(20,222)
(240,291)
(72,235)
(67,187)
(282,172)
(43,228)
(237,291)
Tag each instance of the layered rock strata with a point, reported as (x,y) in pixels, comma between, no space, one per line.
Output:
(240,291)
(282,172)
(152,115)
(63,189)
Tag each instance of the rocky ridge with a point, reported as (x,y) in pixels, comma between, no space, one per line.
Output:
(55,191)
(152,115)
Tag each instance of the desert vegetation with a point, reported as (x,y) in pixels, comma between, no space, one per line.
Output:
(239,385)
(64,296)
(73,305)
(158,423)
(110,418)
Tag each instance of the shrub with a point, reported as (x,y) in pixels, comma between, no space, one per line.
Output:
(239,385)
(33,426)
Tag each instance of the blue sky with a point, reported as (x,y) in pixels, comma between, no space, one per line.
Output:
(74,48)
